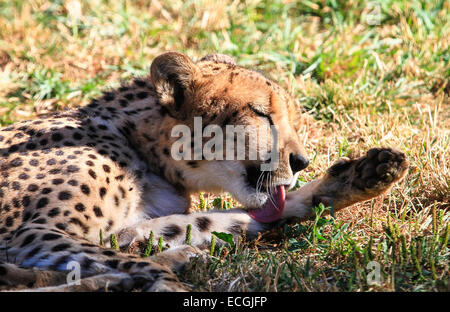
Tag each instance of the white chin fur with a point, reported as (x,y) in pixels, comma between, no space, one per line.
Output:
(294,181)
(255,200)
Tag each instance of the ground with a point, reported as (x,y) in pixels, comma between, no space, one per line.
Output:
(362,79)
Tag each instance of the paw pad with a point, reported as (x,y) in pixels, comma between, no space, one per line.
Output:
(379,168)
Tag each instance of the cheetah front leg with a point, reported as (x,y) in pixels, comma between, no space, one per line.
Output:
(172,228)
(349,181)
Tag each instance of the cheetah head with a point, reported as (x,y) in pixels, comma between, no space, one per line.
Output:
(222,94)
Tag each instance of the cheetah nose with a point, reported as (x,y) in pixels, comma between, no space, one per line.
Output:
(298,162)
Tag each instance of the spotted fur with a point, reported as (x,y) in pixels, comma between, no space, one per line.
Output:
(107,166)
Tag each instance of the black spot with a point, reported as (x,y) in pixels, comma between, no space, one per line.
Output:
(90,163)
(92,174)
(51,162)
(108,96)
(72,168)
(23,176)
(13,148)
(80,207)
(102,192)
(30,146)
(29,239)
(64,195)
(85,189)
(57,137)
(109,253)
(50,236)
(46,190)
(72,182)
(16,186)
(54,212)
(77,136)
(171,231)
(61,247)
(86,263)
(129,96)
(42,202)
(40,221)
(34,162)
(32,187)
(16,202)
(33,252)
(57,181)
(140,83)
(55,171)
(128,265)
(77,221)
(142,95)
(61,226)
(112,263)
(110,224)
(98,212)
(16,162)
(203,223)
(26,216)
(26,201)
(106,168)
(142,264)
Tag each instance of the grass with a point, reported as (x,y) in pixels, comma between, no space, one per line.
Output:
(359,85)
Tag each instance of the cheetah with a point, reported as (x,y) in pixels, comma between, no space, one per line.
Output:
(108,166)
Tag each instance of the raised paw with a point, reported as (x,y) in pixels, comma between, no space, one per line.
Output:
(350,181)
(376,171)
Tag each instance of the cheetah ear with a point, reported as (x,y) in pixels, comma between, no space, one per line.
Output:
(173,75)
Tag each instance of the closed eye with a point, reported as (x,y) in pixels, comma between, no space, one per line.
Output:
(261,114)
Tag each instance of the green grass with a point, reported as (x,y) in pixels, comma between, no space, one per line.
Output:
(327,255)
(359,86)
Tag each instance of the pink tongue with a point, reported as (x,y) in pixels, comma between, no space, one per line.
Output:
(273,209)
